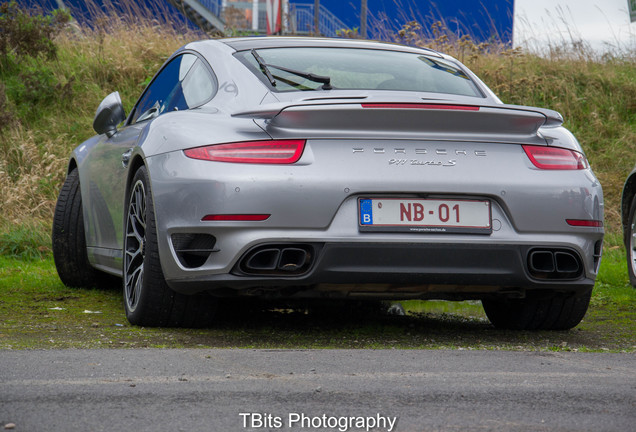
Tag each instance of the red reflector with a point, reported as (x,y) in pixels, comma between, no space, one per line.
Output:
(261,152)
(421,106)
(554,158)
(236,217)
(585,223)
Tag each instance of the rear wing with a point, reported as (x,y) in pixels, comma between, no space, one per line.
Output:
(390,120)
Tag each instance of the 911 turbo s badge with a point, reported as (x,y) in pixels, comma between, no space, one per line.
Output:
(450,162)
(431,162)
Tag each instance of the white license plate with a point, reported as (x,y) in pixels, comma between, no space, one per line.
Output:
(425,215)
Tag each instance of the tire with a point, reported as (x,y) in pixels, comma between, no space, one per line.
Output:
(558,312)
(148,300)
(68,237)
(630,242)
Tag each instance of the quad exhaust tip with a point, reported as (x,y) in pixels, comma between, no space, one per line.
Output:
(554,264)
(281,260)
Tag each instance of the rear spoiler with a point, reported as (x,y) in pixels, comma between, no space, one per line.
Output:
(436,121)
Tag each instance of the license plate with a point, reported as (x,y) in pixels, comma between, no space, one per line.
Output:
(425,215)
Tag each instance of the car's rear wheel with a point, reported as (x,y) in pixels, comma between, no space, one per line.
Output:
(68,237)
(148,300)
(558,312)
(630,242)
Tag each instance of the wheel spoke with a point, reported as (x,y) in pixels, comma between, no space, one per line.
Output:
(135,281)
(133,260)
(138,284)
(140,209)
(139,236)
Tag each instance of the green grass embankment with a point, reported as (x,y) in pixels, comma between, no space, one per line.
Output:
(38,312)
(47,104)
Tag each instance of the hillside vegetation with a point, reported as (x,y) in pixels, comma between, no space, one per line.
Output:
(49,92)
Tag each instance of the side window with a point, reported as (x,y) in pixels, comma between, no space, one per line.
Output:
(184,83)
(199,86)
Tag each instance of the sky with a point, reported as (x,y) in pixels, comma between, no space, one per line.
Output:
(603,24)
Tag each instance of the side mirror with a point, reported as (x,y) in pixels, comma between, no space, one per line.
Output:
(109,114)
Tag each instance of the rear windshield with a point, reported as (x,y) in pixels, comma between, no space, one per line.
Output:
(355,68)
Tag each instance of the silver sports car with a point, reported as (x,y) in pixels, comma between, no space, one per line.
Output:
(628,216)
(299,168)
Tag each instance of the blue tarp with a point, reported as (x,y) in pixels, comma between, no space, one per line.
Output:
(479,19)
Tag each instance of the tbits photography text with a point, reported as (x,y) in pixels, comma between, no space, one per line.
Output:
(301,421)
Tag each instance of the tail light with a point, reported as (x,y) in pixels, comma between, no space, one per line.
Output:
(257,152)
(585,223)
(554,158)
(236,217)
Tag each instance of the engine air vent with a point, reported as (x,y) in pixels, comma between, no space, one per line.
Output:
(193,250)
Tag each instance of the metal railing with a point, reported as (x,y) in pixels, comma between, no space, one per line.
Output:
(213,6)
(301,20)
(203,13)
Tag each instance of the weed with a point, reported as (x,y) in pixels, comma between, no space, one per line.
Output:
(48,101)
(37,85)
(26,44)
(6,116)
(26,33)
(348,33)
(26,241)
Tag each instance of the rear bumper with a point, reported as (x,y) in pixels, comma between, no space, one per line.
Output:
(315,202)
(397,271)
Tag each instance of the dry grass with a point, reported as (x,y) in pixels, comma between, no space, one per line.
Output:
(597,100)
(28,178)
(117,54)
(595,95)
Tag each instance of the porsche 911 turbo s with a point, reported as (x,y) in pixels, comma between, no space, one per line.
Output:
(628,217)
(306,168)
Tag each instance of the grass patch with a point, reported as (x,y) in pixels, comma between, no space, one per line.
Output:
(612,284)
(47,104)
(31,240)
(39,312)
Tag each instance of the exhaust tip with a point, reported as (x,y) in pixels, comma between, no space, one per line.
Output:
(554,264)
(292,259)
(566,262)
(542,262)
(288,260)
(266,259)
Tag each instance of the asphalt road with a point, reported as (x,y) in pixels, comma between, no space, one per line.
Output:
(316,390)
